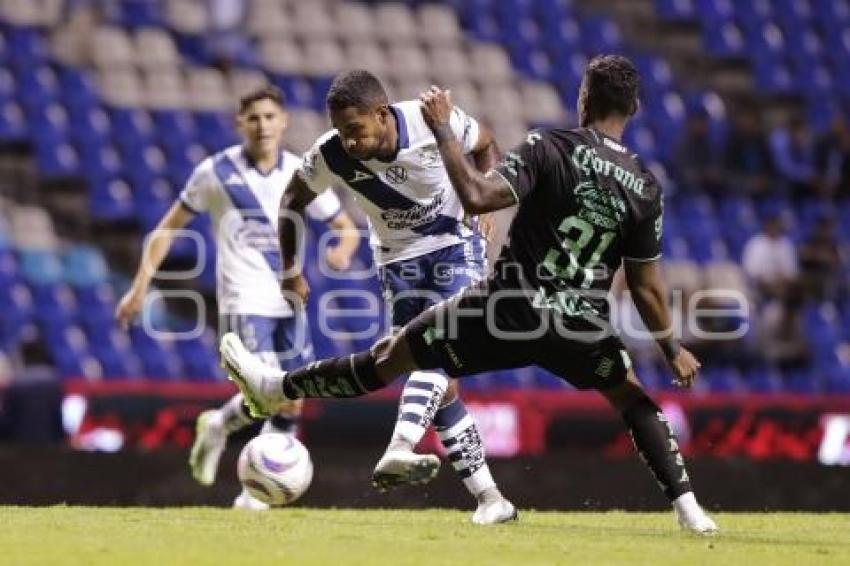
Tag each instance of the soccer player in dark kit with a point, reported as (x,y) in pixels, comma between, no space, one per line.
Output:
(587,205)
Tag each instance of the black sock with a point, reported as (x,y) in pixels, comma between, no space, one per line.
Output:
(283,423)
(657,446)
(346,376)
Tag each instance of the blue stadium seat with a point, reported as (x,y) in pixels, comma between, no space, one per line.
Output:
(298,91)
(144,164)
(37,86)
(722,379)
(40,267)
(112,200)
(13,125)
(57,158)
(175,128)
(49,124)
(724,40)
(77,89)
(132,127)
(200,358)
(600,35)
(26,47)
(137,13)
(85,266)
(18,310)
(100,163)
(215,125)
(158,361)
(90,126)
(676,10)
(714,11)
(8,86)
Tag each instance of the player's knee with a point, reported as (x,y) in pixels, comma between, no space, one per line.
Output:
(392,357)
(452,392)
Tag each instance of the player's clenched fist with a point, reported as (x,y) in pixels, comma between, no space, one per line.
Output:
(129,306)
(685,367)
(296,284)
(436,106)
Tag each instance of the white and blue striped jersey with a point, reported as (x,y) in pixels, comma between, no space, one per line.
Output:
(410,203)
(244,203)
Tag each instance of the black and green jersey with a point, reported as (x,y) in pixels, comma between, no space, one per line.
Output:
(586,203)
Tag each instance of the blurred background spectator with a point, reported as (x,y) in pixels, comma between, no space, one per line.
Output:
(821,261)
(782,330)
(697,161)
(749,164)
(793,149)
(770,259)
(832,159)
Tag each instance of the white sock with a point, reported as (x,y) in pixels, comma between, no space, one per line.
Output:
(464,448)
(235,414)
(686,504)
(420,399)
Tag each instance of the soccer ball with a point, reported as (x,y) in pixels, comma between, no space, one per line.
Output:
(275,468)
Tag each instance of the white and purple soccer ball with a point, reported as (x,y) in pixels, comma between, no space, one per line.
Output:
(275,468)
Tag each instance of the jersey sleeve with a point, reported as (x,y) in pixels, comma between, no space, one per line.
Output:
(465,128)
(522,166)
(324,207)
(314,169)
(199,189)
(643,242)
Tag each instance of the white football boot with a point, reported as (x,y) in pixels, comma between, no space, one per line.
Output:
(400,466)
(260,384)
(494,509)
(210,440)
(692,517)
(246,501)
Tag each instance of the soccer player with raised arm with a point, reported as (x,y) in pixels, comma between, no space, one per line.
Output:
(426,248)
(241,188)
(587,205)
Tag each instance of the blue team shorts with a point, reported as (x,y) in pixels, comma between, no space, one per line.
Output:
(284,341)
(412,285)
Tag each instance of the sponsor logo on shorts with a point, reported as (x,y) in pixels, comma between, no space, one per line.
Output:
(433,334)
(605,367)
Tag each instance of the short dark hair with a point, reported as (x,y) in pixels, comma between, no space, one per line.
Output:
(612,86)
(267,92)
(360,89)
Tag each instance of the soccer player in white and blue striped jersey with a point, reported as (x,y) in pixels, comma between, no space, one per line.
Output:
(426,248)
(241,188)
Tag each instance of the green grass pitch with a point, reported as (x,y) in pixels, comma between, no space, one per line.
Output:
(301,537)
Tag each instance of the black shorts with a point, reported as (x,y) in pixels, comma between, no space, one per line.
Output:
(469,334)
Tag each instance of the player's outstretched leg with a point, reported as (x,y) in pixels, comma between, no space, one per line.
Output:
(211,431)
(465,450)
(266,387)
(655,442)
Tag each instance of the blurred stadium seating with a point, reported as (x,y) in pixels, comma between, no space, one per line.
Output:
(131,95)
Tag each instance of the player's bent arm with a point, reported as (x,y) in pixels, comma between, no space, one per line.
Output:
(485,154)
(157,246)
(295,199)
(478,192)
(649,293)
